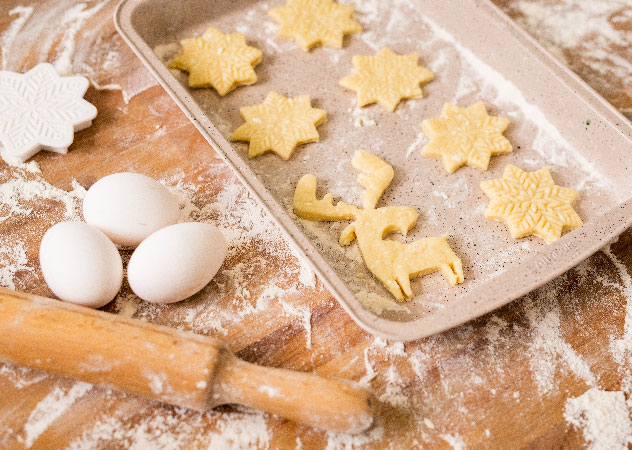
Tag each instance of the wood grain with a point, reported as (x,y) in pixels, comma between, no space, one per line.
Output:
(167,365)
(498,382)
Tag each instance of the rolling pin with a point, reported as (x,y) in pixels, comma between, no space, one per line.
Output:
(168,365)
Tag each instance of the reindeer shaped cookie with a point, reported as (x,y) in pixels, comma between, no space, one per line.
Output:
(392,262)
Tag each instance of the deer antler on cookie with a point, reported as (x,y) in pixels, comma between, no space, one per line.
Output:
(307,206)
(393,263)
(375,176)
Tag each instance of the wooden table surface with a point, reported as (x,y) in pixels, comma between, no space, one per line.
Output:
(498,382)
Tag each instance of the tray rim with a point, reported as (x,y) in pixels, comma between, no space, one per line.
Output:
(525,275)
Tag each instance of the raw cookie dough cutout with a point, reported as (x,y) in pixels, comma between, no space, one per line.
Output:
(314,22)
(221,61)
(386,78)
(279,125)
(392,262)
(465,136)
(531,203)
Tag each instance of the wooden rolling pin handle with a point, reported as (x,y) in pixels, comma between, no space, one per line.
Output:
(166,364)
(326,403)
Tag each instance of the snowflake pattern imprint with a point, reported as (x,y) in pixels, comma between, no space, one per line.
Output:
(314,22)
(41,110)
(221,61)
(531,203)
(386,78)
(279,125)
(465,136)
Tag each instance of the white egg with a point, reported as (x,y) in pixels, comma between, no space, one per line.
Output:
(176,262)
(128,207)
(80,264)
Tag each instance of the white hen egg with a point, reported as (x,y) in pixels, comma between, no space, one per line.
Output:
(128,207)
(80,264)
(176,262)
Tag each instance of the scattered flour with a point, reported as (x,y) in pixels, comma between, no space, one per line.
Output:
(21,377)
(276,294)
(394,393)
(455,441)
(140,82)
(30,166)
(362,118)
(548,348)
(306,276)
(591,27)
(74,48)
(49,409)
(21,193)
(363,121)
(106,87)
(156,382)
(591,36)
(72,22)
(370,372)
(377,303)
(8,37)
(135,83)
(603,417)
(244,433)
(417,144)
(621,348)
(13,260)
(270,391)
(171,428)
(338,441)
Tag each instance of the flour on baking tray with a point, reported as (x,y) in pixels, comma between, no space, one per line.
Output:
(460,77)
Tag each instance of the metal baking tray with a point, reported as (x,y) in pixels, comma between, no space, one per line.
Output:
(476,53)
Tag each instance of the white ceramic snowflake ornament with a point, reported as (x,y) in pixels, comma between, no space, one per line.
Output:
(40,110)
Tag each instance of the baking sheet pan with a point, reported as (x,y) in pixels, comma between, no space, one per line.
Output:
(476,53)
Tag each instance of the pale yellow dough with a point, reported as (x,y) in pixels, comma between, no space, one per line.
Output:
(465,136)
(392,262)
(218,60)
(386,78)
(314,22)
(279,125)
(531,203)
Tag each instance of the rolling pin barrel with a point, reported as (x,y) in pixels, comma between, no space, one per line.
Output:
(166,364)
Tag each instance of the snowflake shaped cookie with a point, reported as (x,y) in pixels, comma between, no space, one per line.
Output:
(218,60)
(386,78)
(531,203)
(41,110)
(312,22)
(465,136)
(279,125)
